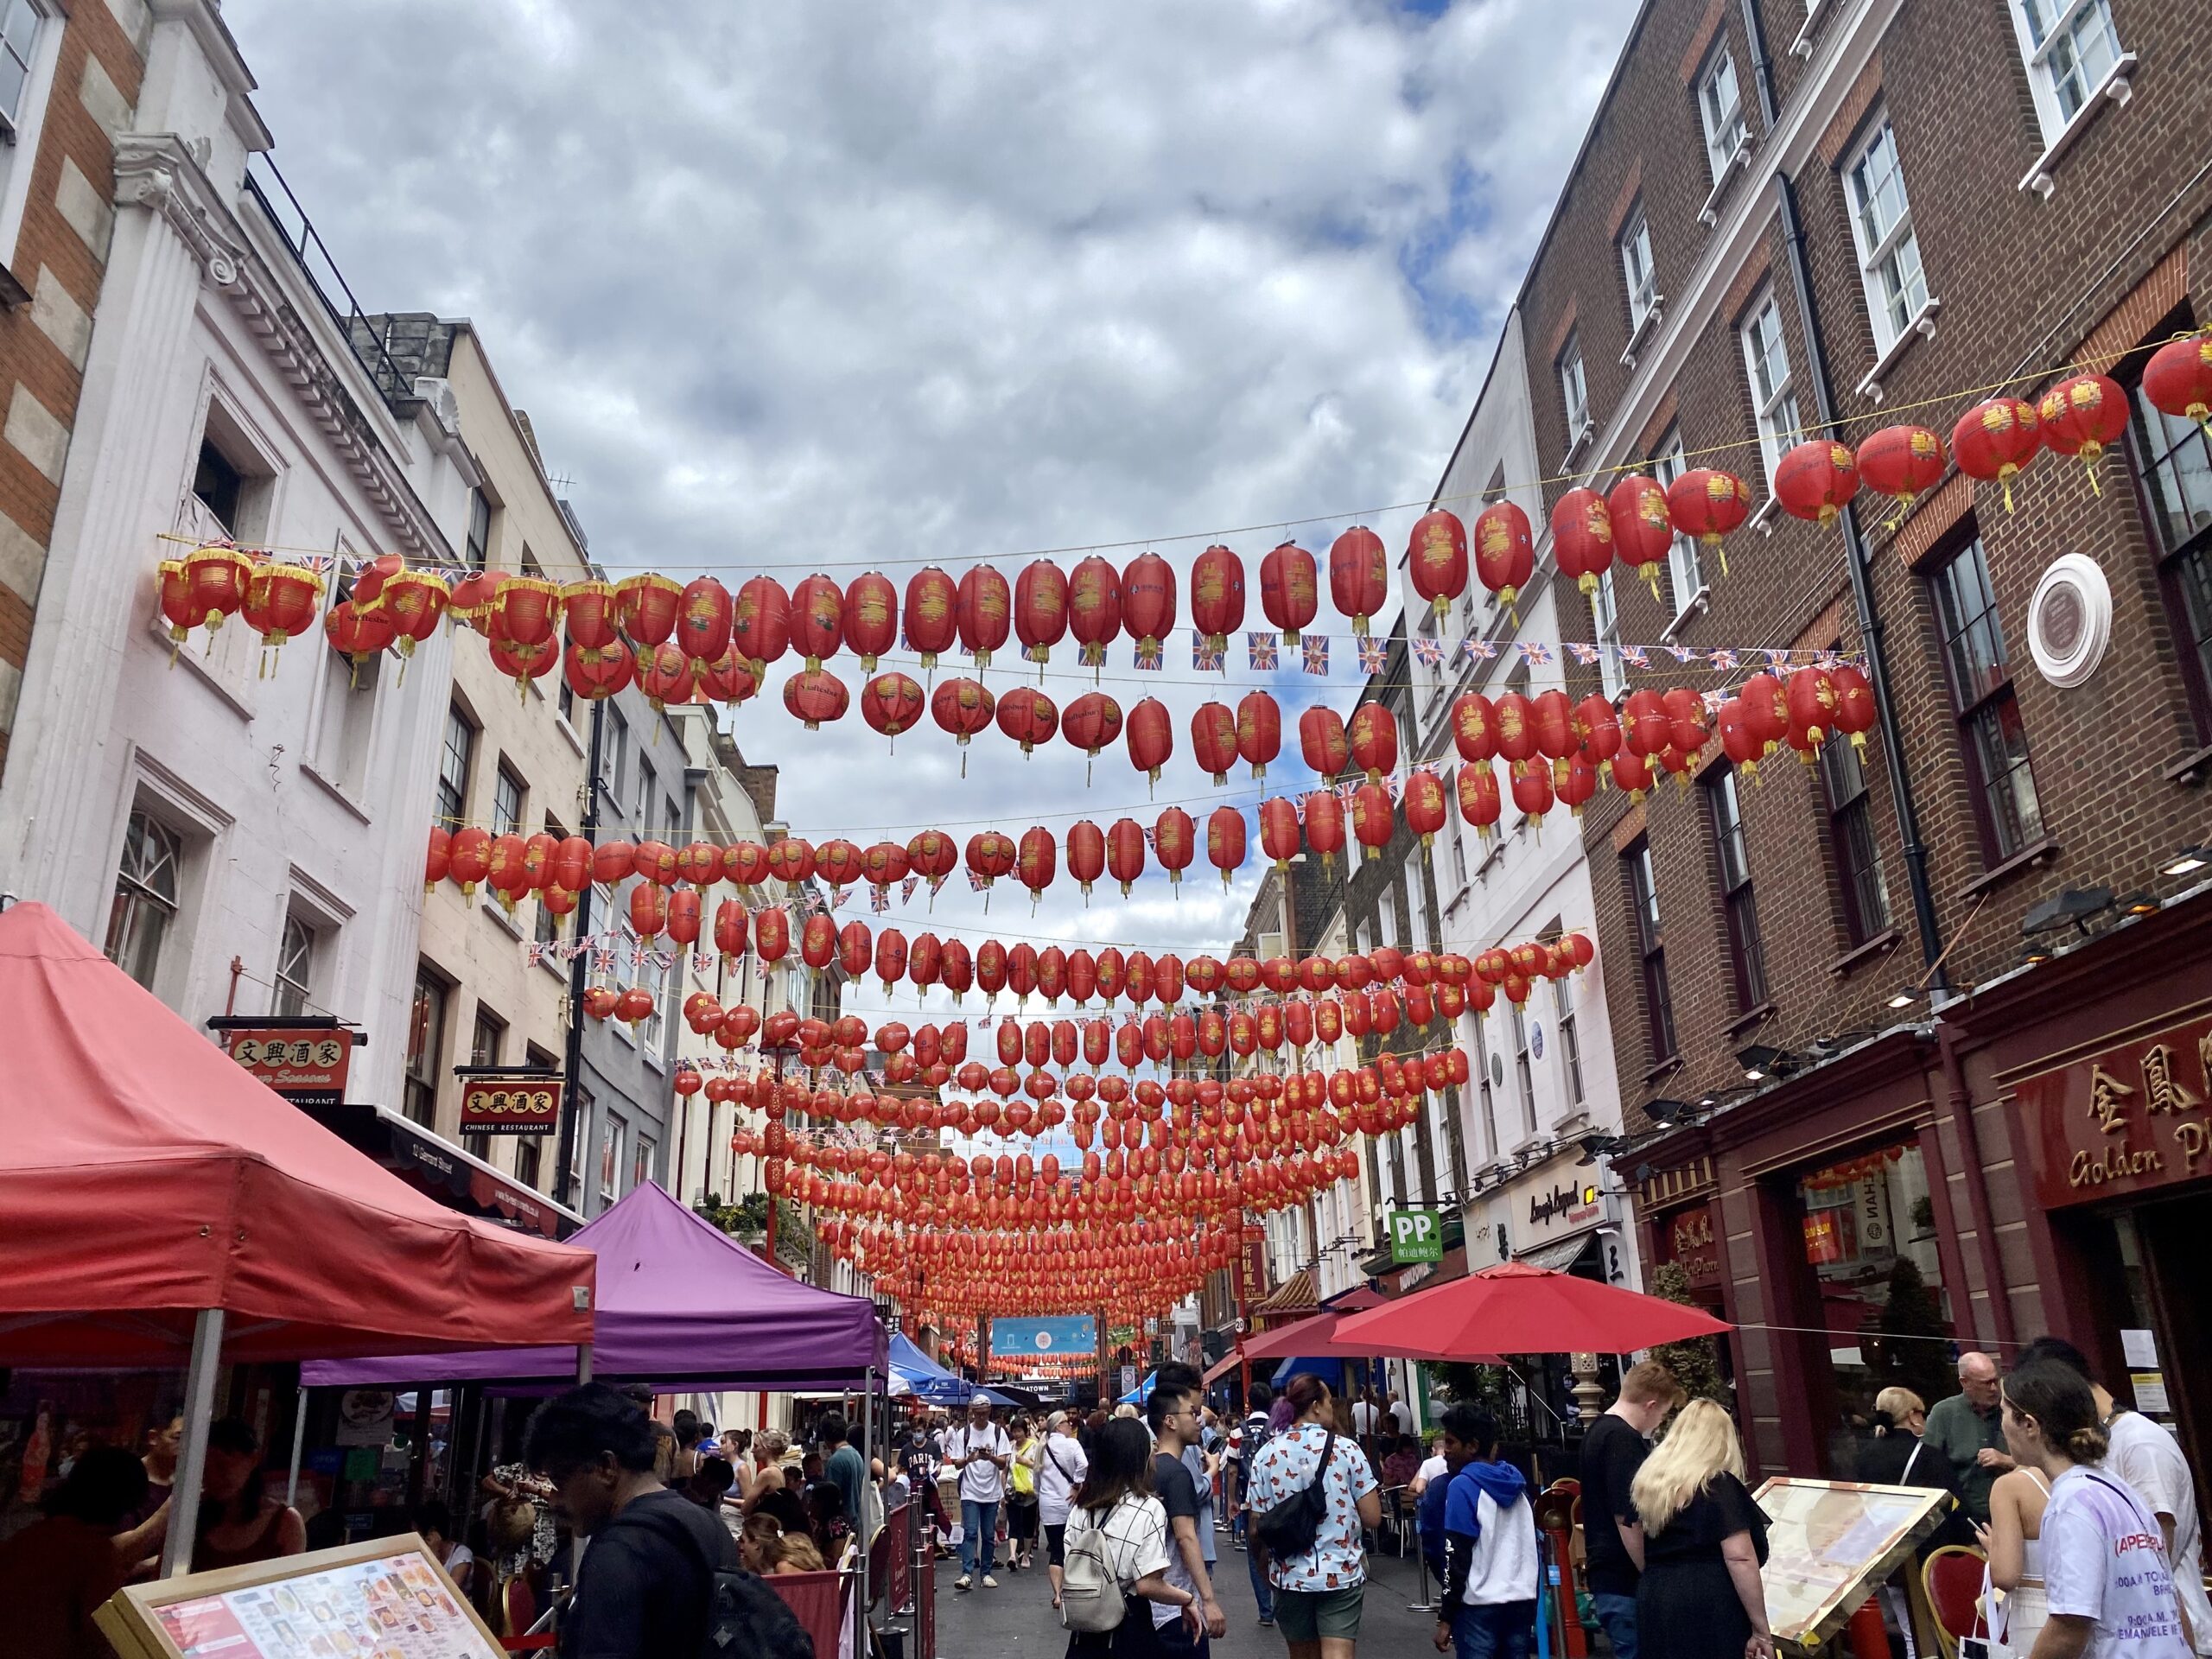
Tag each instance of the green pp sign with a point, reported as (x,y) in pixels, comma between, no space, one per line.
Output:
(1415,1235)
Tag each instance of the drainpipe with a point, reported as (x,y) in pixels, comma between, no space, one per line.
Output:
(1870,626)
(573,1060)
(1762,63)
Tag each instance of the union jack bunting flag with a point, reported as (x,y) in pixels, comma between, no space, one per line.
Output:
(879,899)
(836,898)
(1149,655)
(1828,659)
(1371,653)
(637,958)
(1392,783)
(1778,657)
(701,963)
(1636,657)
(1343,793)
(1203,658)
(1477,650)
(1681,653)
(1427,651)
(1261,649)
(1722,658)
(1148,833)
(975,883)
(906,887)
(1586,655)
(1535,654)
(536,955)
(1713,699)
(1317,653)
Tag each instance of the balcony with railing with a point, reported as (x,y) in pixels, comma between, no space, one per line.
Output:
(289,220)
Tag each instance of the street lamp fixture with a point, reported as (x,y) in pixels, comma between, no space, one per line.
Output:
(1761,1060)
(1904,996)
(2072,908)
(2187,861)
(1668,1112)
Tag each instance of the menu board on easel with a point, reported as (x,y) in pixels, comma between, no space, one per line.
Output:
(1830,1542)
(381,1599)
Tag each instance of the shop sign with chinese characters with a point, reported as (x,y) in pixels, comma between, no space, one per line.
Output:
(510,1105)
(307,1065)
(2126,1119)
(1690,1245)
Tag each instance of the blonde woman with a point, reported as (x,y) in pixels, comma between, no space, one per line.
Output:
(1704,1543)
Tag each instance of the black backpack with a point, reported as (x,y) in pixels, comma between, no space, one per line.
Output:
(1290,1528)
(745,1618)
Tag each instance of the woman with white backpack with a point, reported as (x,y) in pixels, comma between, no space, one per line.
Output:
(1060,1464)
(1116,1553)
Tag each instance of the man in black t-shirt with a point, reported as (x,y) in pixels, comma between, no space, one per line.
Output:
(1174,1415)
(644,1588)
(1612,1536)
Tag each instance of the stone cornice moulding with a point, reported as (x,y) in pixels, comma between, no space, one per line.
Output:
(163,174)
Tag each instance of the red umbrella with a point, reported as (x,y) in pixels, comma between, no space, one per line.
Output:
(1514,1308)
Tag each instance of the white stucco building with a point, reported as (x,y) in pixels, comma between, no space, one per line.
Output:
(238,842)
(1545,1081)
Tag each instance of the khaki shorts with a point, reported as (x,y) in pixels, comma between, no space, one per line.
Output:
(1318,1615)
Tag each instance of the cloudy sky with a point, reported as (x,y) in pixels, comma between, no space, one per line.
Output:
(787,287)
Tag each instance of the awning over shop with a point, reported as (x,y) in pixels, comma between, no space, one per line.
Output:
(1559,1256)
(681,1305)
(146,1177)
(444,1171)
(1294,1296)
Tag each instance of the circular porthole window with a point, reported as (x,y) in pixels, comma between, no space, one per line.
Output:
(2070,619)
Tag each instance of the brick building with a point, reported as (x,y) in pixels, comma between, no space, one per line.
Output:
(76,72)
(1869,1134)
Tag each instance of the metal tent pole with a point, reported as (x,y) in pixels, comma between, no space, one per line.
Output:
(299,1440)
(192,1463)
(584,1364)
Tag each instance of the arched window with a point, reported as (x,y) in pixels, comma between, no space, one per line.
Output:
(145,898)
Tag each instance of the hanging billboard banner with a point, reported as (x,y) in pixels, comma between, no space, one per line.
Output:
(1072,1334)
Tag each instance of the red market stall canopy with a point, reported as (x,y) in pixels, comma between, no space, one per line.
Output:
(681,1304)
(147,1179)
(1316,1336)
(1514,1308)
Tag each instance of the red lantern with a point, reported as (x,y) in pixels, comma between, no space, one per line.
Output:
(1687,724)
(871,617)
(439,859)
(744,863)
(1743,749)
(891,702)
(702,621)
(415,600)
(1038,861)
(523,664)
(1148,600)
(1125,852)
(1151,737)
(1373,736)
(2080,415)
(818,619)
(884,862)
(684,917)
(1359,576)
(1903,462)
(815,695)
(1597,729)
(1086,854)
(1322,741)
(613,861)
(1436,555)
(772,935)
(1225,841)
(648,606)
(571,868)
(1477,789)
(648,910)
(1029,717)
(984,613)
(1643,529)
(1213,740)
(1707,504)
(962,707)
(282,600)
(1173,842)
(1092,722)
(1424,803)
(1040,608)
(855,949)
(1994,440)
(930,855)
(1532,789)
(990,855)
(1814,480)
(1632,772)
(730,928)
(933,599)
(2177,380)
(1278,839)
(1371,818)
(1218,595)
(1094,601)
(1582,537)
(352,634)
(1289,589)
(216,581)
(1553,723)
(1474,726)
(1810,696)
(727,679)
(761,622)
(890,957)
(1576,782)
(1854,696)
(471,596)
(1516,726)
(1259,731)
(1644,726)
(837,862)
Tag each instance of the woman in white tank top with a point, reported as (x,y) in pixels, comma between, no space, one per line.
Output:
(2013,1542)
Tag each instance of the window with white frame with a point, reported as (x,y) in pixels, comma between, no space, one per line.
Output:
(1774,394)
(1683,576)
(1721,103)
(145,904)
(1570,1044)
(611,1145)
(1881,226)
(29,52)
(1486,1106)
(455,759)
(1524,1073)
(2070,46)
(1574,388)
(1417,899)
(507,802)
(1605,613)
(1459,851)
(295,969)
(1636,268)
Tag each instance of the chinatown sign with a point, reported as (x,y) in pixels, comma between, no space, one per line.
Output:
(511,1105)
(304,1061)
(2126,1119)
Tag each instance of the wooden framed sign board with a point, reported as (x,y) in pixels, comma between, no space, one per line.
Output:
(1830,1543)
(381,1598)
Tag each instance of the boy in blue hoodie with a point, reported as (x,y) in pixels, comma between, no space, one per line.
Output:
(1488,1608)
(1457,1449)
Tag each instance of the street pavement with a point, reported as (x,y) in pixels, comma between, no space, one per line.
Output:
(1017,1621)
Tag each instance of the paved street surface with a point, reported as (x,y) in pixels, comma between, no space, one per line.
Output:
(1016,1620)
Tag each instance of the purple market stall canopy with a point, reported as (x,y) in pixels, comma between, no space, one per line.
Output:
(680,1303)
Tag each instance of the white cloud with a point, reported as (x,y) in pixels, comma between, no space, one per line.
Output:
(829,283)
